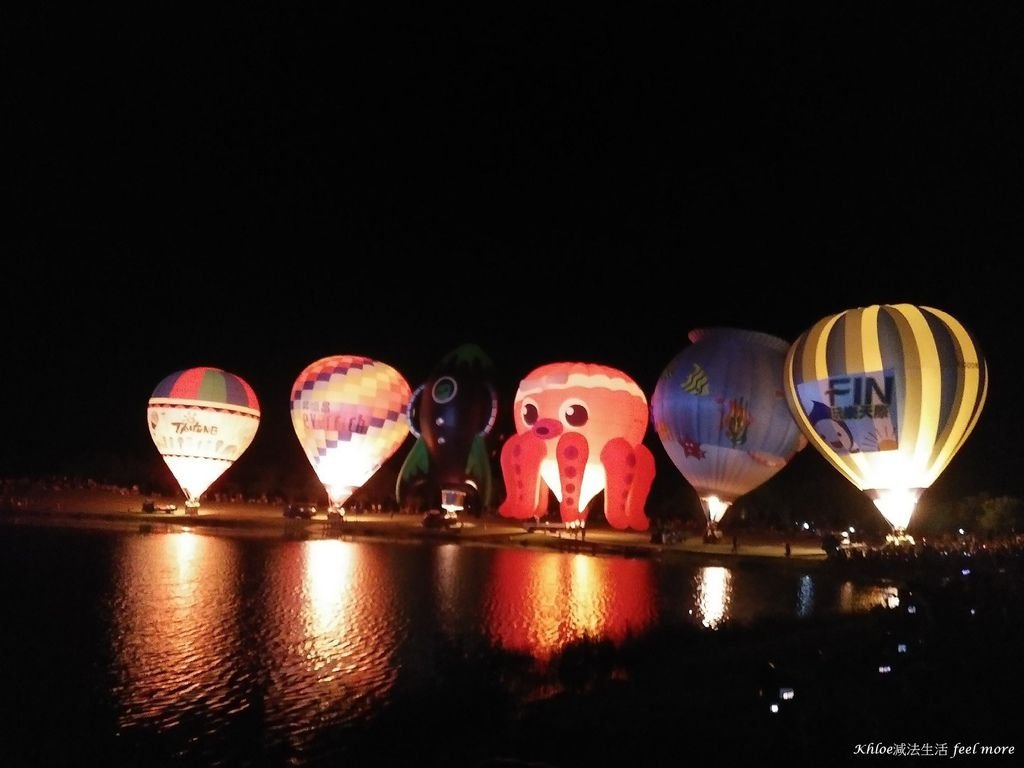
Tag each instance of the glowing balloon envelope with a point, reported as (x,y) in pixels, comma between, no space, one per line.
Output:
(579,430)
(451,415)
(350,414)
(202,419)
(888,394)
(721,414)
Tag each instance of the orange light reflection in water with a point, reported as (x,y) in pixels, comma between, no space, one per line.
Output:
(327,580)
(331,659)
(859,598)
(539,602)
(176,629)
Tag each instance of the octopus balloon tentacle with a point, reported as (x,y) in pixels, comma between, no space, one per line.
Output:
(630,471)
(520,466)
(572,452)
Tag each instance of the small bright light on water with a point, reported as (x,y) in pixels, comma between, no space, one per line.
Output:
(713,594)
(884,669)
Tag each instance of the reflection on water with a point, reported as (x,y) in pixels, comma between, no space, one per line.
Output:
(184,634)
(805,597)
(330,631)
(446,579)
(539,602)
(856,598)
(712,595)
(228,650)
(176,634)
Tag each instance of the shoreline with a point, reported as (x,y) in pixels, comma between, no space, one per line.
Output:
(113,511)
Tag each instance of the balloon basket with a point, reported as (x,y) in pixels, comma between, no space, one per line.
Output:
(453,501)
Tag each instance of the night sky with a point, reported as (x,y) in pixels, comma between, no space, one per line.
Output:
(257,188)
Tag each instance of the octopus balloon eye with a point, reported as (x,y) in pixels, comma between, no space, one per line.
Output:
(575,414)
(530,414)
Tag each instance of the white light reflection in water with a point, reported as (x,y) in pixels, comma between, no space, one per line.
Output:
(333,636)
(713,595)
(327,577)
(176,634)
(447,583)
(805,597)
(185,545)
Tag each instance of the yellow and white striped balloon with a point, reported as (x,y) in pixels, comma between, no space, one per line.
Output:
(887,394)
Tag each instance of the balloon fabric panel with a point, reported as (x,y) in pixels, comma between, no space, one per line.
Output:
(720,412)
(350,414)
(210,385)
(579,429)
(887,394)
(201,420)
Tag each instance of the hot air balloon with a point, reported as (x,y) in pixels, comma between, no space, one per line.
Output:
(202,420)
(451,415)
(350,414)
(721,414)
(579,430)
(888,394)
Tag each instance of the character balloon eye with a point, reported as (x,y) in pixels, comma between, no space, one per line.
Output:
(575,413)
(444,389)
(529,413)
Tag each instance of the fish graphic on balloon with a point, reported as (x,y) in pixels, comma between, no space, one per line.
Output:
(451,415)
(580,428)
(722,417)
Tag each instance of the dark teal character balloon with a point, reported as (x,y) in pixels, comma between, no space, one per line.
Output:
(451,414)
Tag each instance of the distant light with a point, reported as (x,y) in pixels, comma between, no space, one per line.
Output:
(965,571)
(884,669)
(786,694)
(807,526)
(773,708)
(911,609)
(901,648)
(973,612)
(851,529)
(961,531)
